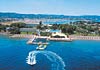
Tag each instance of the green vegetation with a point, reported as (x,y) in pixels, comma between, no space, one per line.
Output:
(85,28)
(26,33)
(76,28)
(14,28)
(2,28)
(45,34)
(81,28)
(18,24)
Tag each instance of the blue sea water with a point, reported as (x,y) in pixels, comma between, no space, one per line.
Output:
(60,22)
(77,55)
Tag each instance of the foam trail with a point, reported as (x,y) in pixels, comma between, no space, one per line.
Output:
(31,59)
(57,61)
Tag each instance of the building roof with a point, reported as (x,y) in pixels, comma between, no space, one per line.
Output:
(28,29)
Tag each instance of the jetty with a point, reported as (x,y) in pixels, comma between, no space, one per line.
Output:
(38,43)
(41,42)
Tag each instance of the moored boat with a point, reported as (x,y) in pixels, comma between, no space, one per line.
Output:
(59,37)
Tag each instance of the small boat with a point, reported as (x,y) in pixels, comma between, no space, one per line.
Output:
(59,37)
(41,47)
(42,43)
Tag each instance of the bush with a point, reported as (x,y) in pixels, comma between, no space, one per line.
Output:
(18,24)
(45,34)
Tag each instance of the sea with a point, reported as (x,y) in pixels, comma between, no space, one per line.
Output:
(75,55)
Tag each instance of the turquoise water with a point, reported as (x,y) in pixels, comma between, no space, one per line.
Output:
(77,55)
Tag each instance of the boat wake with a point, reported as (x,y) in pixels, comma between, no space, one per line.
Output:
(57,61)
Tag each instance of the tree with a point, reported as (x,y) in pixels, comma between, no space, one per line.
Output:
(54,26)
(65,28)
(14,30)
(2,27)
(18,24)
(15,27)
(40,23)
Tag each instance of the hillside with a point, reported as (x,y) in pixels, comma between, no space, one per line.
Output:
(37,16)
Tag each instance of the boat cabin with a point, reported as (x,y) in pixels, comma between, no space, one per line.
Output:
(58,35)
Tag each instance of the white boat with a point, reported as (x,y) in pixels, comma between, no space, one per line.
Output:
(41,47)
(59,37)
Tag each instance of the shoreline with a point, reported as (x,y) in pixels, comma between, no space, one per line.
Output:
(73,37)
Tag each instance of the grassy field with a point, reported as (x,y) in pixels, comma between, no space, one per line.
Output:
(26,32)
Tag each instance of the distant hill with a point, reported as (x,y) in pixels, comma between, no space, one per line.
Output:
(31,16)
